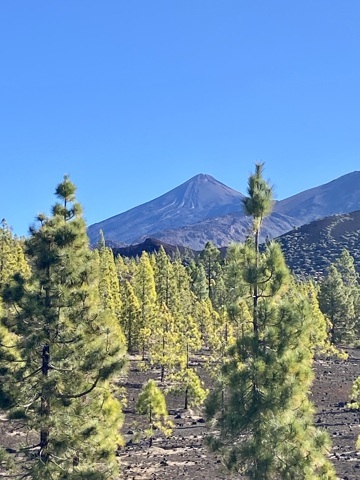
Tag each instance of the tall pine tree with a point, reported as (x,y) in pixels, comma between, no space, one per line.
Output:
(71,349)
(261,406)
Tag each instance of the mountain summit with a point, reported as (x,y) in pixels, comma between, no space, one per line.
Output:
(203,209)
(200,198)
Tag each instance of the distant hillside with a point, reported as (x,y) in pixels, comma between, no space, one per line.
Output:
(151,245)
(308,250)
(341,195)
(311,248)
(222,231)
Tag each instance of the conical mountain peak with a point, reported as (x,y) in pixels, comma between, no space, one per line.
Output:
(197,199)
(202,209)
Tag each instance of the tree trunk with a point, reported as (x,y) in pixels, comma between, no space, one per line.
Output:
(45,405)
(256,287)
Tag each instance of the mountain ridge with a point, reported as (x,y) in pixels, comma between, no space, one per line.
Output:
(324,200)
(202,209)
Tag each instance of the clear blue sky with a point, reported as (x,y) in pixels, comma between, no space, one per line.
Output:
(132,98)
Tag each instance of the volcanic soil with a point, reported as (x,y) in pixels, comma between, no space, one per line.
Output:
(184,456)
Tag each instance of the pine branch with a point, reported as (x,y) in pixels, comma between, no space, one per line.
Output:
(82,394)
(30,375)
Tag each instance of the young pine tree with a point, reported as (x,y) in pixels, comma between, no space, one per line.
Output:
(151,402)
(70,348)
(336,301)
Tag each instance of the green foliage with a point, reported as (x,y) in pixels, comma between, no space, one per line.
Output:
(12,258)
(198,280)
(70,350)
(262,410)
(109,289)
(355,393)
(129,317)
(187,382)
(164,348)
(151,402)
(355,402)
(145,291)
(337,302)
(259,201)
(260,405)
(165,282)
(209,258)
(9,355)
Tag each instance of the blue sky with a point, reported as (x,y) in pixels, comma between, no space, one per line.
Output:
(132,98)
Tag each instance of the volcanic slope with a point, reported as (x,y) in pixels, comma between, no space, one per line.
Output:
(310,249)
(204,209)
(199,198)
(341,195)
(221,231)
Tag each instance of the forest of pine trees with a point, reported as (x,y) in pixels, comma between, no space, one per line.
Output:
(72,315)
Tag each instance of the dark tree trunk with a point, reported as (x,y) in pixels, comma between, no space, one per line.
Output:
(45,405)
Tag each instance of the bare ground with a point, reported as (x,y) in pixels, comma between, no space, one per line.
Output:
(184,456)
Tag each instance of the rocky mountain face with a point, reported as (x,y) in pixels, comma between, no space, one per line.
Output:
(204,209)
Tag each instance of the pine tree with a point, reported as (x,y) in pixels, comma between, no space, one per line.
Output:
(345,265)
(164,347)
(237,290)
(129,317)
(165,281)
(109,288)
(337,303)
(151,402)
(257,204)
(209,258)
(9,356)
(185,376)
(122,269)
(70,348)
(12,258)
(261,407)
(144,285)
(198,280)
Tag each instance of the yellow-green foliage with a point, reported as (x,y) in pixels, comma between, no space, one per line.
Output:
(71,349)
(164,348)
(187,381)
(260,405)
(151,402)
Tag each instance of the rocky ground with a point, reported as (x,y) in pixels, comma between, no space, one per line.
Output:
(183,455)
